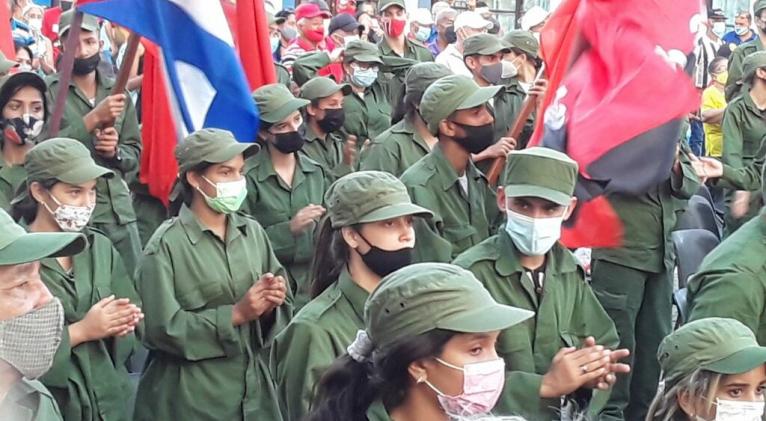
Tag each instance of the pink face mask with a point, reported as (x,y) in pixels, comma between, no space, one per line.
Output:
(482,384)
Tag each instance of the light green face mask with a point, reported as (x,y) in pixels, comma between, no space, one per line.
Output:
(228,196)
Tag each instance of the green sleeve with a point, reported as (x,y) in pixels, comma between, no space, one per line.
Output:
(379,158)
(123,287)
(734,295)
(129,142)
(522,395)
(63,365)
(684,185)
(430,246)
(306,66)
(193,336)
(737,175)
(732,88)
(75,129)
(299,357)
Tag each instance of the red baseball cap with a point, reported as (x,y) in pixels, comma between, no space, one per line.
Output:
(309,11)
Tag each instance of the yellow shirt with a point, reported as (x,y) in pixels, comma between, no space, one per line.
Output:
(713,99)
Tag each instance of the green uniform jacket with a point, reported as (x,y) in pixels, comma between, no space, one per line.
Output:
(395,150)
(744,129)
(328,153)
(567,312)
(283,76)
(273,204)
(113,202)
(731,282)
(733,89)
(201,367)
(29,400)
(11,177)
(315,337)
(647,221)
(367,117)
(393,78)
(506,106)
(458,223)
(90,381)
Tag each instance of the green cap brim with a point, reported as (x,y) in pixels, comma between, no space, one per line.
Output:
(7,65)
(367,58)
(232,150)
(345,88)
(741,361)
(35,246)
(522,190)
(486,319)
(395,211)
(492,51)
(479,97)
(82,174)
(285,110)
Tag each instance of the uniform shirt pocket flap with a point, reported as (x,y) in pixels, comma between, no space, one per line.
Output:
(200,296)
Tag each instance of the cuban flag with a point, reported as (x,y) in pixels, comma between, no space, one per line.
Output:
(208,85)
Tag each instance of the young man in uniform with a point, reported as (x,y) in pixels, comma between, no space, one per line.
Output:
(88,116)
(31,320)
(524,266)
(733,85)
(446,181)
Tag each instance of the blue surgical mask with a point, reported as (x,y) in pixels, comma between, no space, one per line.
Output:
(423,34)
(274,43)
(364,77)
(740,30)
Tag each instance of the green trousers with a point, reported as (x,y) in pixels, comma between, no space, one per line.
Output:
(127,242)
(640,304)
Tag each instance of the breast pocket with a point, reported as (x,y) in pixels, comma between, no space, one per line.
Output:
(200,296)
(269,216)
(461,237)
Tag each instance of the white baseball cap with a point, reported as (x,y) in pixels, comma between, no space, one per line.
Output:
(471,20)
(422,17)
(534,16)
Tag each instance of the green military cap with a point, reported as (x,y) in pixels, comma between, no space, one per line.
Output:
(17,246)
(524,41)
(452,93)
(270,18)
(422,75)
(484,45)
(385,4)
(423,297)
(362,51)
(275,102)
(752,63)
(210,145)
(5,64)
(724,346)
(540,172)
(758,6)
(322,87)
(89,22)
(369,196)
(62,159)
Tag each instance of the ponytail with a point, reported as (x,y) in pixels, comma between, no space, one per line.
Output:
(183,192)
(330,257)
(26,209)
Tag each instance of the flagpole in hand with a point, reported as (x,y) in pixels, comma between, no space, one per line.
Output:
(527,107)
(65,73)
(123,75)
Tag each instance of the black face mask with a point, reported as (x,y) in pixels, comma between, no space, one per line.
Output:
(477,138)
(449,35)
(19,130)
(382,262)
(86,66)
(333,120)
(289,142)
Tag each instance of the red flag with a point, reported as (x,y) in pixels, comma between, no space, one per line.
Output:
(615,101)
(158,132)
(253,42)
(6,39)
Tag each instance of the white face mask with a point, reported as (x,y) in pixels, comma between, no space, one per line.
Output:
(719,29)
(738,410)
(70,218)
(35,24)
(509,69)
(533,236)
(349,38)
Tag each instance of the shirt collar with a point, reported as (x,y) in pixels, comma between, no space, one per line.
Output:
(559,260)
(194,229)
(261,164)
(355,294)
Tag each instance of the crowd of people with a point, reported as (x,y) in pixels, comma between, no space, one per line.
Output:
(355,262)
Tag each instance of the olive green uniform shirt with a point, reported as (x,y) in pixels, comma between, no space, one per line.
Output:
(367,116)
(506,107)
(395,150)
(733,89)
(29,400)
(90,381)
(328,153)
(283,76)
(393,78)
(460,221)
(201,366)
(566,312)
(731,281)
(273,204)
(11,177)
(113,202)
(315,337)
(648,220)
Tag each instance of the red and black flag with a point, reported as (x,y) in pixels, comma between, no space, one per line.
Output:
(619,88)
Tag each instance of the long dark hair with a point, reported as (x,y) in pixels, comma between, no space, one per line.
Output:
(183,192)
(348,388)
(408,105)
(26,209)
(330,257)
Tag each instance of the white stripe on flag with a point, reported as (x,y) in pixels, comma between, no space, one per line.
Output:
(209,16)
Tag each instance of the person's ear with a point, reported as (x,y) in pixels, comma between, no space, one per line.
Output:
(311,110)
(447,128)
(471,62)
(570,208)
(417,370)
(501,199)
(193,179)
(37,191)
(350,236)
(686,403)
